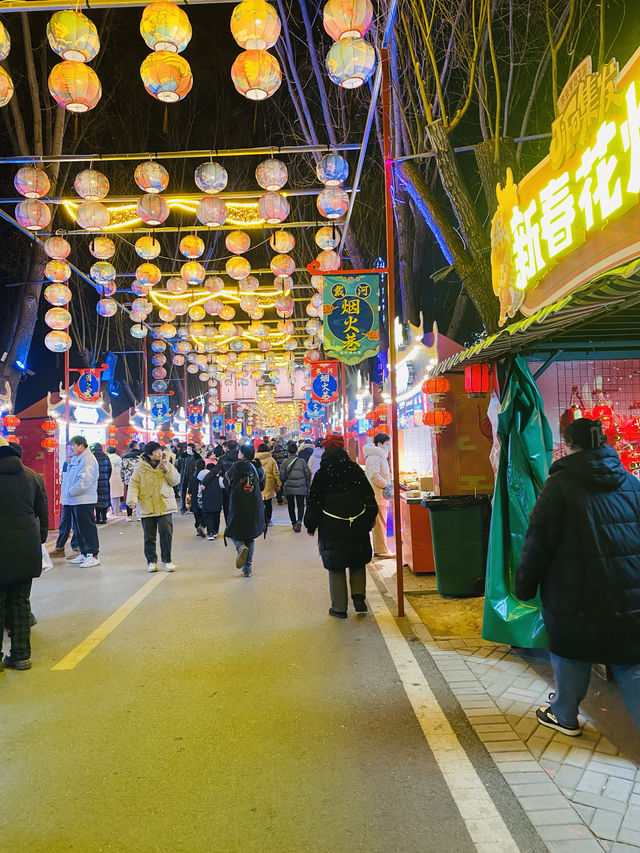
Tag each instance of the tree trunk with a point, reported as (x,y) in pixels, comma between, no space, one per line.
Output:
(492,172)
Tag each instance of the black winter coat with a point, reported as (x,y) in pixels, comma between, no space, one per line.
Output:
(342,508)
(187,466)
(212,493)
(245,518)
(305,452)
(24,519)
(104,475)
(229,459)
(583,550)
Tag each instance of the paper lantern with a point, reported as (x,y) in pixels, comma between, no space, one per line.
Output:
(291,344)
(142,307)
(31,182)
(179,307)
(327,237)
(256,74)
(167,330)
(317,281)
(6,88)
(476,380)
(166,315)
(213,306)
(437,419)
(102,248)
(140,289)
(282,265)
(49,425)
(152,209)
(272,174)
(214,284)
(273,207)
(211,211)
(237,242)
(284,306)
(350,62)
(165,26)
(249,284)
(436,386)
(166,76)
(58,341)
(91,185)
(178,360)
(285,327)
(102,272)
(33,214)
(147,247)
(332,170)
(249,303)
(255,25)
(159,386)
(159,373)
(93,216)
(193,272)
(57,294)
(74,86)
(138,331)
(313,326)
(197,312)
(148,273)
(56,270)
(57,318)
(282,241)
(151,177)
(56,247)
(5,42)
(182,346)
(191,246)
(158,346)
(332,202)
(176,284)
(347,18)
(211,178)
(238,268)
(329,261)
(73,36)
(264,346)
(228,313)
(107,307)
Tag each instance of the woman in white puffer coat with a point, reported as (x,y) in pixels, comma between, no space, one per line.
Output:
(379,475)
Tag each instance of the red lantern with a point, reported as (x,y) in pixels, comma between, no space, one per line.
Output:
(436,387)
(112,429)
(371,432)
(11,421)
(12,439)
(371,416)
(170,435)
(49,444)
(476,380)
(631,430)
(161,435)
(129,431)
(49,425)
(437,419)
(381,410)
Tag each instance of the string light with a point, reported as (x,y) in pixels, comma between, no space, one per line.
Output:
(240,213)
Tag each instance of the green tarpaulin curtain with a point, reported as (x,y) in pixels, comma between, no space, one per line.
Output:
(525,456)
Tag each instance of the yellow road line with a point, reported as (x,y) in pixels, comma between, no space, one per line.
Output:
(80,652)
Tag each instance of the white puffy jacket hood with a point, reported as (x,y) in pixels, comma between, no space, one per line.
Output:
(377,467)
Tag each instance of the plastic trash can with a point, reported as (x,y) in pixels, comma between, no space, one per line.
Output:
(460,533)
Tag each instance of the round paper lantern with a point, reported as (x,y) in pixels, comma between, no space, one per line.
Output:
(151,177)
(193,368)
(228,313)
(477,380)
(317,281)
(178,360)
(58,341)
(159,373)
(93,216)
(158,346)
(256,74)
(73,36)
(165,26)
(249,284)
(283,282)
(31,182)
(437,419)
(152,209)
(285,327)
(264,346)
(282,241)
(197,330)
(166,315)
(313,355)
(255,25)
(332,202)
(238,268)
(148,274)
(313,326)
(347,18)
(191,246)
(56,270)
(311,343)
(272,174)
(284,305)
(329,261)
(290,344)
(159,385)
(273,207)
(33,214)
(327,237)
(102,248)
(211,211)
(166,76)
(5,42)
(57,318)
(6,88)
(74,86)
(213,306)
(197,312)
(102,272)
(91,185)
(179,307)
(316,300)
(167,330)
(249,303)
(138,331)
(237,242)
(140,289)
(176,284)
(56,247)
(147,247)
(282,265)
(141,306)
(107,307)
(311,310)
(350,62)
(211,178)
(214,284)
(193,272)
(182,346)
(57,294)
(332,170)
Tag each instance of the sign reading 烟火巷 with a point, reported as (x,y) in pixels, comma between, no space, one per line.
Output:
(159,405)
(554,231)
(351,329)
(324,381)
(194,416)
(87,388)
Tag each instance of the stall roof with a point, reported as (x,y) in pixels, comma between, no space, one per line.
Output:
(601,320)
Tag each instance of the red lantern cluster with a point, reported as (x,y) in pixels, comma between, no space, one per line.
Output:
(371,416)
(11,421)
(129,431)
(49,425)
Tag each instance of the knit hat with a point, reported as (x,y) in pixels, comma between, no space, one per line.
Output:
(333,441)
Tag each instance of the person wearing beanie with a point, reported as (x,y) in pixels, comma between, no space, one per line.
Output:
(245,516)
(296,479)
(582,551)
(342,508)
(151,488)
(24,524)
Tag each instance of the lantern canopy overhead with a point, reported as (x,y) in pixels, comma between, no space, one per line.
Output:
(351,62)
(31,182)
(152,209)
(165,26)
(74,86)
(347,18)
(255,25)
(73,36)
(256,74)
(166,76)
(272,174)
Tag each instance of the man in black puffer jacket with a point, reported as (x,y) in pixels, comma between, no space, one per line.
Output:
(583,551)
(342,508)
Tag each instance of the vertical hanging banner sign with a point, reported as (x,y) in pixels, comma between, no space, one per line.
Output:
(159,406)
(194,416)
(324,381)
(87,388)
(351,321)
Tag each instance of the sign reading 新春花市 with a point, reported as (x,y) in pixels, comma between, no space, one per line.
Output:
(575,215)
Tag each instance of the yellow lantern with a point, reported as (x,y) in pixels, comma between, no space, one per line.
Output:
(197,312)
(255,25)
(93,216)
(73,36)
(347,18)
(167,330)
(165,26)
(282,265)
(74,86)
(5,42)
(191,246)
(238,268)
(147,247)
(166,76)
(282,241)
(148,274)
(256,74)
(237,242)
(57,270)
(6,88)
(193,272)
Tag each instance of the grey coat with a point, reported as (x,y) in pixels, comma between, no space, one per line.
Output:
(295,476)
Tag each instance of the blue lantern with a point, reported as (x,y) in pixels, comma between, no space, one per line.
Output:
(332,170)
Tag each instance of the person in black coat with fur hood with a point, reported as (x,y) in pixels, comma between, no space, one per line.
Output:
(245,516)
(583,551)
(342,508)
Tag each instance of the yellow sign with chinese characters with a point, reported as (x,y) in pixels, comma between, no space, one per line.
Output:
(576,214)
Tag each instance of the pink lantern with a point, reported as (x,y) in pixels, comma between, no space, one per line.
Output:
(238,268)
(57,247)
(214,284)
(282,242)
(237,242)
(329,261)
(285,327)
(282,265)
(273,207)
(31,182)
(33,214)
(107,307)
(249,284)
(176,284)
(283,282)
(93,216)
(140,289)
(272,174)
(102,248)
(57,318)
(284,306)
(152,209)
(332,202)
(107,288)
(327,237)
(212,211)
(213,306)
(191,246)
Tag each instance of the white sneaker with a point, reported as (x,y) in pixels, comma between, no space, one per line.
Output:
(79,559)
(130,518)
(90,562)
(152,567)
(211,537)
(169,567)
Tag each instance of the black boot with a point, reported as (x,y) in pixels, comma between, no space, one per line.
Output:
(360,604)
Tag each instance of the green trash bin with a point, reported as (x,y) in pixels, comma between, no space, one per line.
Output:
(460,533)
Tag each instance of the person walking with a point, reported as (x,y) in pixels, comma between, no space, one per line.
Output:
(316,456)
(279,454)
(194,491)
(342,508)
(65,526)
(186,467)
(305,450)
(129,463)
(296,479)
(227,461)
(116,484)
(245,519)
(24,525)
(151,488)
(582,550)
(104,476)
(80,492)
(378,472)
(271,480)
(210,498)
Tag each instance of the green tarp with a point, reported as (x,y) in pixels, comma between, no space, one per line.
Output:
(525,456)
